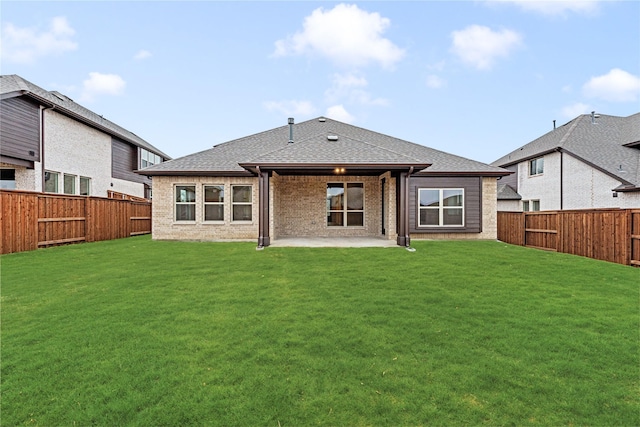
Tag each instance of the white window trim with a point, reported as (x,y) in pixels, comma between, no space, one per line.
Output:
(223,203)
(88,185)
(57,174)
(176,203)
(345,211)
(530,162)
(232,204)
(75,183)
(441,209)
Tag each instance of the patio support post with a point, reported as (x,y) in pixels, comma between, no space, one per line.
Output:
(263,216)
(403,211)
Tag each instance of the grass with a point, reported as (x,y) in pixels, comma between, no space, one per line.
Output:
(138,332)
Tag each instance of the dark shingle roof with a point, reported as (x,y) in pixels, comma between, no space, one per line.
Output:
(14,85)
(312,145)
(600,143)
(506,192)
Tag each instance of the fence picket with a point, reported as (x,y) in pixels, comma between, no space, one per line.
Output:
(30,220)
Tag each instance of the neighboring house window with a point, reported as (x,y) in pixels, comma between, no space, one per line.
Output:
(441,207)
(51,182)
(241,205)
(8,179)
(536,166)
(345,204)
(531,205)
(69,184)
(185,202)
(85,186)
(147,158)
(214,202)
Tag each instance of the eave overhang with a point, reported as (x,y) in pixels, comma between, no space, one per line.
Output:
(193,173)
(331,168)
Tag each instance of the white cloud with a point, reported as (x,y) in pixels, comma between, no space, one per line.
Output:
(101,84)
(553,7)
(574,110)
(142,54)
(350,86)
(291,108)
(346,35)
(338,112)
(435,82)
(26,45)
(615,86)
(480,46)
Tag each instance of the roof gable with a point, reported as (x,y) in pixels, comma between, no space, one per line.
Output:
(605,142)
(14,85)
(311,145)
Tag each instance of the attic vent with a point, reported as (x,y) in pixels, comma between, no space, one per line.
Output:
(332,137)
(322,119)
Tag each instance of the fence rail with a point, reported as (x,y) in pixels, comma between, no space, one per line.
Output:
(34,220)
(606,234)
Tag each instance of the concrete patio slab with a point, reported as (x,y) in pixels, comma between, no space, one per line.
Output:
(334,242)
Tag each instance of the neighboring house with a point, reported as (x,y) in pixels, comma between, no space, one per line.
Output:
(591,162)
(323,178)
(48,143)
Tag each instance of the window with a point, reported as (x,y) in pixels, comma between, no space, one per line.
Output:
(345,208)
(8,179)
(147,158)
(531,205)
(441,207)
(85,186)
(214,202)
(185,202)
(51,182)
(536,166)
(241,203)
(69,184)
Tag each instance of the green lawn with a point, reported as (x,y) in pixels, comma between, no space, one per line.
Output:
(137,332)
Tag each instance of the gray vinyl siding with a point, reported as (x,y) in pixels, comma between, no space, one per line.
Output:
(20,124)
(124,160)
(510,180)
(472,202)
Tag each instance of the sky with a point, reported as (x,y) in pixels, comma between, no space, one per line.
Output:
(477,79)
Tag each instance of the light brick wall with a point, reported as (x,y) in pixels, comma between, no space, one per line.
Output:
(510,205)
(544,187)
(583,187)
(25,178)
(588,188)
(489,217)
(300,208)
(166,228)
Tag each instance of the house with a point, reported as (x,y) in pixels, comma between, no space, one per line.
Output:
(48,143)
(593,161)
(323,178)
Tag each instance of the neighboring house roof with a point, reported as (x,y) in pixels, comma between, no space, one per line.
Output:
(13,85)
(607,143)
(320,142)
(506,192)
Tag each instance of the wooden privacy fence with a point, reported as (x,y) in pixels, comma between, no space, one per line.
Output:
(606,234)
(34,220)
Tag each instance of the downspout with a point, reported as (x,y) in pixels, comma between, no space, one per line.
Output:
(561,180)
(42,146)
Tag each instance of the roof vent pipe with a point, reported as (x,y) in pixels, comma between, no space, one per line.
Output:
(554,124)
(290,130)
(594,116)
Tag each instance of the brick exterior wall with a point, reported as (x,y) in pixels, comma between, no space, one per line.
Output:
(489,217)
(583,186)
(300,209)
(164,227)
